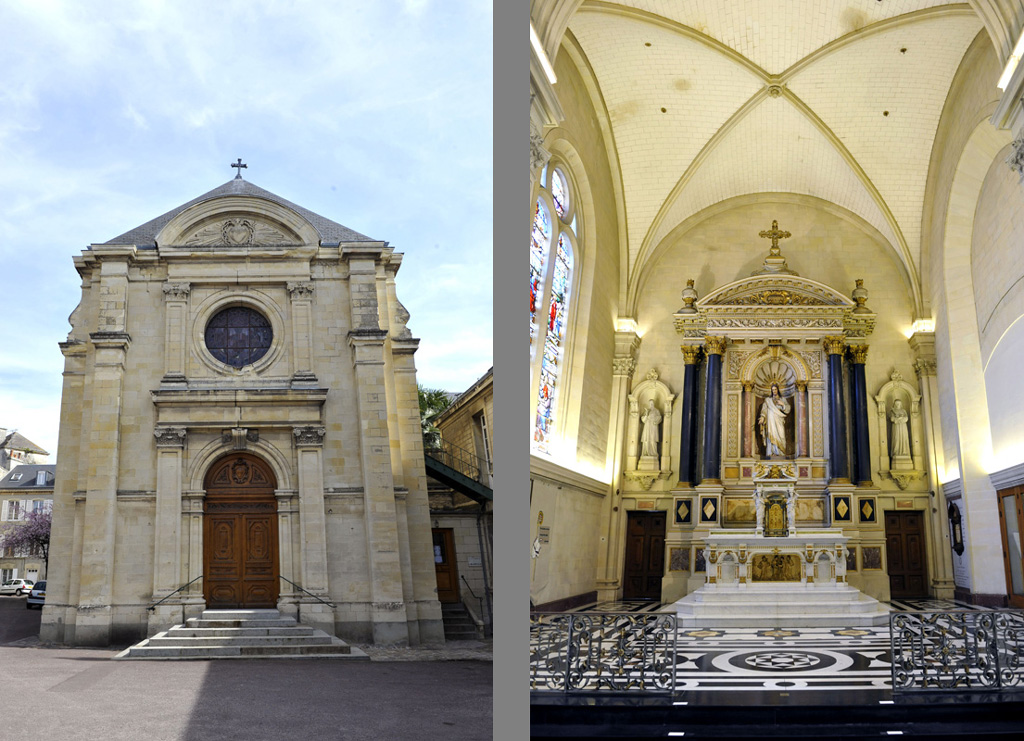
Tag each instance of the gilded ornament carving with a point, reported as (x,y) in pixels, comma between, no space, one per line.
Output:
(734,424)
(813,360)
(736,360)
(859,354)
(689,297)
(1016,158)
(309,436)
(623,366)
(801,386)
(803,292)
(714,345)
(772,297)
(860,295)
(170,437)
(819,446)
(177,291)
(774,323)
(300,290)
(691,354)
(834,345)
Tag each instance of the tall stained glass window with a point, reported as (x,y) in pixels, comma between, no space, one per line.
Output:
(551,271)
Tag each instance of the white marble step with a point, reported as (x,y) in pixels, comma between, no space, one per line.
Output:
(773,605)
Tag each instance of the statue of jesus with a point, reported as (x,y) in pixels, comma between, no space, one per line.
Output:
(772,423)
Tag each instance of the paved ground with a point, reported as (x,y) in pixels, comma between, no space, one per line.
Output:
(80,693)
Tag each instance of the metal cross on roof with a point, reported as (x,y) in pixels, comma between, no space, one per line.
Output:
(774,234)
(239,165)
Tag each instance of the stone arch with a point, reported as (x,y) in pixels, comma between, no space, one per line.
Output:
(204,459)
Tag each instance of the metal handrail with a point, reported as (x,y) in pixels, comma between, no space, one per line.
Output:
(183,586)
(463,577)
(464,461)
(329,604)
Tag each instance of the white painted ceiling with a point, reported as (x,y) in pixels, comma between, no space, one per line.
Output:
(836,99)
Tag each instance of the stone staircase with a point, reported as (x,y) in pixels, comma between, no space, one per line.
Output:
(780,606)
(242,634)
(458,625)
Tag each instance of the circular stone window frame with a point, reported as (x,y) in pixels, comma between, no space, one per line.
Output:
(254,300)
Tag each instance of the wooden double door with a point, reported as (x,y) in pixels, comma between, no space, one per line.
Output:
(1011,524)
(645,555)
(240,556)
(905,554)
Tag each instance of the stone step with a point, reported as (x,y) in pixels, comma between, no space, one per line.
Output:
(269,614)
(168,639)
(203,632)
(252,652)
(280,622)
(781,620)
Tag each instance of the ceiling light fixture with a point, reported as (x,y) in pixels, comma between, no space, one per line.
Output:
(544,61)
(1011,63)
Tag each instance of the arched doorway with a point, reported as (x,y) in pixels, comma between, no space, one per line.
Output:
(240,565)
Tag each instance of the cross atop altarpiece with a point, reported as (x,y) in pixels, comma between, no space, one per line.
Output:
(774,234)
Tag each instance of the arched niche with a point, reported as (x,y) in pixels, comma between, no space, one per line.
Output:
(901,468)
(650,394)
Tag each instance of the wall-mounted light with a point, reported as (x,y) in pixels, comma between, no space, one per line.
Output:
(923,325)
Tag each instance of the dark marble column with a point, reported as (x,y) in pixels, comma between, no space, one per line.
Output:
(688,428)
(862,452)
(714,348)
(840,470)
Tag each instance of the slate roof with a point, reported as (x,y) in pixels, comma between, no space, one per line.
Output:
(330,232)
(17,441)
(27,480)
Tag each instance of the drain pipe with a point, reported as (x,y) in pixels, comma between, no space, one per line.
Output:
(484,560)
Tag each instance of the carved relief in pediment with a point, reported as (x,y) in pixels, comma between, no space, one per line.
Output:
(237,232)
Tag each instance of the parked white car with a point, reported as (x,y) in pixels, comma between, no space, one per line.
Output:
(16,586)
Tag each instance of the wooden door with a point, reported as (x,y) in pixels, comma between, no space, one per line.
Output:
(645,556)
(445,565)
(1011,524)
(240,562)
(905,554)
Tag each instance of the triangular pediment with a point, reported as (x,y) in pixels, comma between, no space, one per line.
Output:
(775,290)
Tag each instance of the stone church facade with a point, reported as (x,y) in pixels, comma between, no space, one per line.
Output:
(823,198)
(240,416)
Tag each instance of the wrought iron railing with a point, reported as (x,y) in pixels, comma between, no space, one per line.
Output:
(957,649)
(464,461)
(603,651)
(182,588)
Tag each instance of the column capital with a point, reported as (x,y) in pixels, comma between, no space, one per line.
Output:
(859,353)
(170,437)
(715,345)
(924,367)
(834,345)
(300,290)
(748,386)
(623,365)
(801,386)
(691,354)
(176,291)
(307,437)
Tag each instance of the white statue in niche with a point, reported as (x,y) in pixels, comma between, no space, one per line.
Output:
(899,438)
(649,435)
(772,423)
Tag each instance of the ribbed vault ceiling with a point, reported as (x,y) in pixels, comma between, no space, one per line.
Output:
(709,100)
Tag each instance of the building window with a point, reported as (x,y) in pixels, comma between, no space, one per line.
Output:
(553,245)
(40,478)
(238,336)
(12,510)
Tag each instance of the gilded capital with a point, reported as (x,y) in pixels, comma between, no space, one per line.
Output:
(714,345)
(801,386)
(834,345)
(691,354)
(748,386)
(859,354)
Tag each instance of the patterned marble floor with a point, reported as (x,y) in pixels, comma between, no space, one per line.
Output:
(782,660)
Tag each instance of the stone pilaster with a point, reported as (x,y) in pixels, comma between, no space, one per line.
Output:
(170,446)
(301,295)
(688,473)
(840,472)
(309,444)
(801,419)
(714,348)
(862,455)
(176,295)
(627,345)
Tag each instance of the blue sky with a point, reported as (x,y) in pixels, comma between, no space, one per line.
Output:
(375,115)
